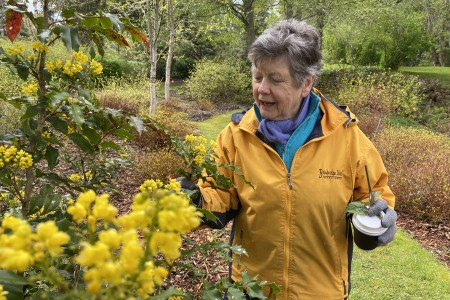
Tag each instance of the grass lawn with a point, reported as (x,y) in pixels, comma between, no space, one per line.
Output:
(441,73)
(403,270)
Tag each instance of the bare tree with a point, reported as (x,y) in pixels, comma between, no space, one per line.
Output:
(171,25)
(153,26)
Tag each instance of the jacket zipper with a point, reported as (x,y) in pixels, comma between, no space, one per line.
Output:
(289,180)
(287,243)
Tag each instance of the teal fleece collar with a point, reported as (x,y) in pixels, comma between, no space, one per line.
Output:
(300,135)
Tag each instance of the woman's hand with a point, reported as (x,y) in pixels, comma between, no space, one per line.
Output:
(389,216)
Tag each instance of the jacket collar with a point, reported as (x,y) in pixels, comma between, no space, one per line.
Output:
(332,116)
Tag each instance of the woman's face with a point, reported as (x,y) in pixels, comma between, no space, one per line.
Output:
(276,94)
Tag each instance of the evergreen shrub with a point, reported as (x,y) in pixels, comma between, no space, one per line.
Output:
(220,82)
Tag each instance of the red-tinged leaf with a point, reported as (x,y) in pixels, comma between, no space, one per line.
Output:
(136,34)
(13,23)
(112,35)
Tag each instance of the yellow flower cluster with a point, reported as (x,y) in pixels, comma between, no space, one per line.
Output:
(3,293)
(151,185)
(92,208)
(16,50)
(95,67)
(20,247)
(29,89)
(160,212)
(52,65)
(32,57)
(72,68)
(77,178)
(72,100)
(80,57)
(198,148)
(46,135)
(39,47)
(10,155)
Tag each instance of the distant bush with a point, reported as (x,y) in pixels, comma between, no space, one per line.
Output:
(182,67)
(122,68)
(174,121)
(389,93)
(374,95)
(418,164)
(219,82)
(10,85)
(157,164)
(129,94)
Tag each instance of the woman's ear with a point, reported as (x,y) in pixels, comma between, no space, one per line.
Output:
(307,85)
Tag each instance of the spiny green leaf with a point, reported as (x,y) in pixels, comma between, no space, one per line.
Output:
(12,278)
(92,135)
(235,294)
(81,142)
(239,250)
(116,23)
(167,294)
(52,156)
(43,35)
(68,13)
(69,35)
(212,294)
(357,208)
(15,291)
(46,201)
(57,97)
(77,114)
(137,123)
(59,124)
(111,145)
(90,21)
(23,71)
(31,111)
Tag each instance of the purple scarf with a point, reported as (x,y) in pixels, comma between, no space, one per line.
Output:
(279,131)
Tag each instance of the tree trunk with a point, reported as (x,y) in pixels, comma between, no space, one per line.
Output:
(153,30)
(288,9)
(441,52)
(250,32)
(170,21)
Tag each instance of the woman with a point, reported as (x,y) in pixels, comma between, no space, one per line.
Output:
(306,158)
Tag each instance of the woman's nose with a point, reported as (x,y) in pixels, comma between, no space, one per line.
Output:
(263,87)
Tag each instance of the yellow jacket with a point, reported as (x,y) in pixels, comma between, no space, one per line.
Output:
(294,226)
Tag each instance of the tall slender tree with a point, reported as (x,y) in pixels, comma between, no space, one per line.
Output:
(154,20)
(171,26)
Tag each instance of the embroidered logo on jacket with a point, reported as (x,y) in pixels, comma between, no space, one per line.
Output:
(331,174)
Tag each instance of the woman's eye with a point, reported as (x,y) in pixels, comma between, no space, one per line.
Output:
(257,79)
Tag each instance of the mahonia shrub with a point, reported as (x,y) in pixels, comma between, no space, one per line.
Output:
(110,255)
(219,82)
(418,165)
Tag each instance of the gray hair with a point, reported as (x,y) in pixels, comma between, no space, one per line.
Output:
(296,40)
